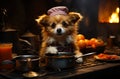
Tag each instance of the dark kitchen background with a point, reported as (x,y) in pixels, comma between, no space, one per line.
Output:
(21,15)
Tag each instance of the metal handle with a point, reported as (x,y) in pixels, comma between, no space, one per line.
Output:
(91,53)
(25,41)
(29,64)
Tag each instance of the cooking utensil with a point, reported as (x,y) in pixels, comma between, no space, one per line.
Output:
(31,73)
(88,54)
(21,63)
(63,60)
(60,61)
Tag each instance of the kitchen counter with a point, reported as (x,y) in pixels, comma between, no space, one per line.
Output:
(89,73)
(82,71)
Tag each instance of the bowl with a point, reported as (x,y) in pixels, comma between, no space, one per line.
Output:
(98,49)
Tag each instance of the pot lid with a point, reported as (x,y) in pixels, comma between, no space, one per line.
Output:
(28,34)
(9,29)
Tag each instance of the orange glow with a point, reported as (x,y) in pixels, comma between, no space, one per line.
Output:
(5,54)
(114,18)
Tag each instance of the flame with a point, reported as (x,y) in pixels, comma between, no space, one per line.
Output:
(114,18)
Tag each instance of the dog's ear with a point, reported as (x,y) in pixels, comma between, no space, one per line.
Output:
(75,17)
(43,20)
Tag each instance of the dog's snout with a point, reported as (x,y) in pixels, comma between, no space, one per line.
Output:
(59,30)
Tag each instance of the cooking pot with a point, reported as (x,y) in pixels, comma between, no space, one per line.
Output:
(60,61)
(64,60)
(24,63)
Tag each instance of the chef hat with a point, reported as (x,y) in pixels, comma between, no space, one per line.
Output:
(59,10)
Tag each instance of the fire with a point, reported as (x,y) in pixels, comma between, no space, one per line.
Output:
(114,18)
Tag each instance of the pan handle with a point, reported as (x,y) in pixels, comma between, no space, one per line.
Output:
(91,53)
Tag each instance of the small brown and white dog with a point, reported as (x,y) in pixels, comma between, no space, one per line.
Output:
(59,29)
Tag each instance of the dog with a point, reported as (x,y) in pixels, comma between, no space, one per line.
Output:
(59,30)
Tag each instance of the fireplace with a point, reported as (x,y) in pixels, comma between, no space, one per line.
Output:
(108,20)
(108,11)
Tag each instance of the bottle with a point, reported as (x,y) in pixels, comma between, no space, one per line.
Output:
(2,18)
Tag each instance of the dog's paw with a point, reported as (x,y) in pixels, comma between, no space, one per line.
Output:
(79,60)
(78,55)
(51,50)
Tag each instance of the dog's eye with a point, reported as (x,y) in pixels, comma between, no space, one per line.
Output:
(64,24)
(53,25)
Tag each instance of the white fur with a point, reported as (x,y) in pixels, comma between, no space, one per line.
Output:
(79,60)
(51,50)
(69,39)
(78,55)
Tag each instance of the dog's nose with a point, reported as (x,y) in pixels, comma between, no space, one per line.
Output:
(59,30)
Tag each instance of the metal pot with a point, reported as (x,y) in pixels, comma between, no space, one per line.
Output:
(64,60)
(24,63)
(60,61)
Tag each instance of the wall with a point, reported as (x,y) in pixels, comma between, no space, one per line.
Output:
(21,14)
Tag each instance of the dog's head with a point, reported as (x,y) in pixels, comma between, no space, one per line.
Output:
(60,24)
